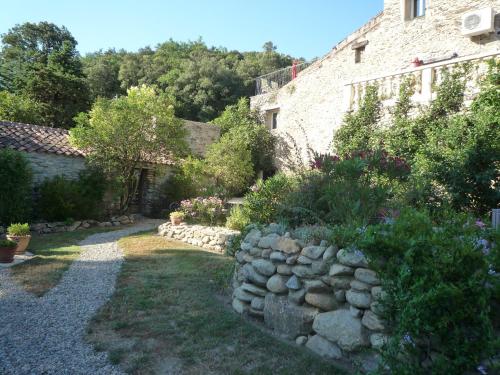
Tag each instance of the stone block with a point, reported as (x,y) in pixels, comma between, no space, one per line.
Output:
(277,284)
(367,276)
(325,302)
(323,347)
(359,299)
(352,258)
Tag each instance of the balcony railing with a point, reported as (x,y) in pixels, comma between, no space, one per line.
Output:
(425,78)
(275,80)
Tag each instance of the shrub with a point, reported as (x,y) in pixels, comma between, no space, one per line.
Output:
(229,164)
(8,244)
(19,229)
(15,187)
(438,299)
(61,199)
(209,211)
(238,218)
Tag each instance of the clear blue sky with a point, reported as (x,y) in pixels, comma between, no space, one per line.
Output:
(300,28)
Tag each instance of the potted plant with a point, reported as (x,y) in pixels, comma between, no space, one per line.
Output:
(21,234)
(176,217)
(7,251)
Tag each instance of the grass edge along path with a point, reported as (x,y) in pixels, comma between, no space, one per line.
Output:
(166,316)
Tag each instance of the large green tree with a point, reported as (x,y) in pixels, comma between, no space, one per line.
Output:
(121,134)
(41,61)
(102,72)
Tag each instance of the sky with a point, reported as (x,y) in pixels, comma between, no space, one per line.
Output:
(300,28)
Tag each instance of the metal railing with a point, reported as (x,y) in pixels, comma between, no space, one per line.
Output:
(275,80)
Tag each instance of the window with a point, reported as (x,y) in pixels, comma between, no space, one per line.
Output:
(274,120)
(418,8)
(358,54)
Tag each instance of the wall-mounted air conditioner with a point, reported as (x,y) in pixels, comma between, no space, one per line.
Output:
(478,22)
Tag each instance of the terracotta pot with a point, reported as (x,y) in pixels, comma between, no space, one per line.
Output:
(7,254)
(22,243)
(175,220)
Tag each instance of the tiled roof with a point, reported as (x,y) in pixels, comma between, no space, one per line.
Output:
(36,138)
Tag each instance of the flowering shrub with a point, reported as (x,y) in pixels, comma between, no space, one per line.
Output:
(209,211)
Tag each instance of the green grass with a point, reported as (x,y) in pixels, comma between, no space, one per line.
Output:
(54,253)
(167,315)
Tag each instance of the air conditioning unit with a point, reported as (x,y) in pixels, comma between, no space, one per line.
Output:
(478,22)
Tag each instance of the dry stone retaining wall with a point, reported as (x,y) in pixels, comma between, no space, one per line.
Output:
(211,238)
(316,294)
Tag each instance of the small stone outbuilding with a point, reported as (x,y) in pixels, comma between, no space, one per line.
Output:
(50,154)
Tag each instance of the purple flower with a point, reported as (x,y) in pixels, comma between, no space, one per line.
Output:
(480,224)
(408,339)
(359,253)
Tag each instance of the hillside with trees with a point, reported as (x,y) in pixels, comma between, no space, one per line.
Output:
(44,79)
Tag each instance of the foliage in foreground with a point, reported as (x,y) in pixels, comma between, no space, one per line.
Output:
(439,283)
(120,135)
(15,187)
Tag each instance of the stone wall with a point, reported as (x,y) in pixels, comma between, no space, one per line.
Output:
(312,106)
(211,238)
(316,294)
(46,165)
(201,136)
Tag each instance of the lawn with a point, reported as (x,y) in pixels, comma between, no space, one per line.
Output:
(169,315)
(54,253)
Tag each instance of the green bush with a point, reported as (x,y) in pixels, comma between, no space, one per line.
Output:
(8,243)
(15,187)
(19,229)
(438,299)
(62,199)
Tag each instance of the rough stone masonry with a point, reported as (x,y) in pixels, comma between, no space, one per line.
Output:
(316,294)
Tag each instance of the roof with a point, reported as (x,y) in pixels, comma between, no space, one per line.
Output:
(36,138)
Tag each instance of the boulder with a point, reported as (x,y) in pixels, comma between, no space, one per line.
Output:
(294,283)
(372,321)
(313,252)
(378,340)
(254,289)
(284,269)
(286,245)
(268,241)
(301,340)
(297,297)
(323,347)
(319,267)
(359,299)
(340,282)
(266,253)
(253,237)
(330,253)
(303,271)
(264,267)
(292,259)
(257,313)
(239,306)
(325,302)
(360,286)
(342,328)
(243,295)
(277,256)
(257,303)
(277,284)
(316,286)
(367,276)
(253,276)
(246,246)
(340,295)
(340,270)
(286,318)
(378,293)
(304,260)
(352,257)
(254,251)
(357,313)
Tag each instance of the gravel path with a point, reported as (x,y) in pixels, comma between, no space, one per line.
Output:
(46,335)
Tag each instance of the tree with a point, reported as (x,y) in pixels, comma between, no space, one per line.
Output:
(229,163)
(101,70)
(121,134)
(41,61)
(20,108)
(239,124)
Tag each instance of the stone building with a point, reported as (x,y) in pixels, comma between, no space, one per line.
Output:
(410,37)
(50,154)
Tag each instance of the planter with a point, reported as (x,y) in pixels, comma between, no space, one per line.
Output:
(176,220)
(7,254)
(22,243)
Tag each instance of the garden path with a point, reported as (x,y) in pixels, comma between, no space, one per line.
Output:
(46,335)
